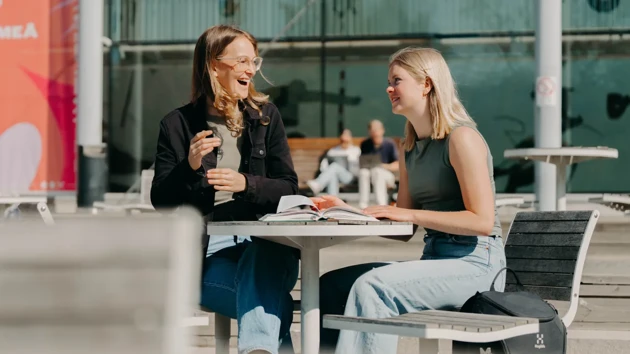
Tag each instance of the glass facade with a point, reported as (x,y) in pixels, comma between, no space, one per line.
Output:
(323,80)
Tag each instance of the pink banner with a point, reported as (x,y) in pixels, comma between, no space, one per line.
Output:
(37,96)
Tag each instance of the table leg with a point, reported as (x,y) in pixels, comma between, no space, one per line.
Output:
(561,187)
(43,210)
(310,296)
(429,346)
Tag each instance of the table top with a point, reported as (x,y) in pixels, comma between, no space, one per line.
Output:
(311,228)
(563,155)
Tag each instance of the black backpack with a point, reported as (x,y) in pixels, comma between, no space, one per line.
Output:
(552,338)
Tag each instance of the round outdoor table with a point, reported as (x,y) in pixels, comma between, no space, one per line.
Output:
(562,157)
(310,237)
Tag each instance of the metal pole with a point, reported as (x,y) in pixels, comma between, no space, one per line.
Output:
(322,78)
(138,85)
(92,165)
(548,110)
(115,56)
(310,299)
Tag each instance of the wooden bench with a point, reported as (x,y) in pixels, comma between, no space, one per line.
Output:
(307,154)
(546,249)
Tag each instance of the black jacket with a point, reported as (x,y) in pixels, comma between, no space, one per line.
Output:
(265,162)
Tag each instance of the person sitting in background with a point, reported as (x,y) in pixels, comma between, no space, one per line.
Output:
(381,175)
(340,165)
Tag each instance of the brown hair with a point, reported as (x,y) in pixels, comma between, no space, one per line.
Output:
(210,45)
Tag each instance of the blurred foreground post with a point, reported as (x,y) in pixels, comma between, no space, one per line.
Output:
(92,169)
(101,285)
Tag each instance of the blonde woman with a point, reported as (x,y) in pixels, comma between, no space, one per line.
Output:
(226,153)
(446,187)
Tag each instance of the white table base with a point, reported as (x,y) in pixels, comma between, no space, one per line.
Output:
(309,305)
(561,186)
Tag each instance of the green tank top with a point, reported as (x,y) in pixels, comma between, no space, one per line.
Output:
(432,181)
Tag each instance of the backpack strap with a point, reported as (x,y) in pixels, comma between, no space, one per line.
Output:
(518,281)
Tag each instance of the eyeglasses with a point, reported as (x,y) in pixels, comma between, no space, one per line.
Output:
(243,63)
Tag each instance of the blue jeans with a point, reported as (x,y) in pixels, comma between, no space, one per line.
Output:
(332,176)
(252,282)
(451,270)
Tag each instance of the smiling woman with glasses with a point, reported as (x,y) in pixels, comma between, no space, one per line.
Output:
(243,63)
(226,153)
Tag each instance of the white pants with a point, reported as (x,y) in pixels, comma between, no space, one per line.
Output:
(380,179)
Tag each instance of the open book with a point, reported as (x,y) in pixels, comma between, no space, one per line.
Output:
(301,208)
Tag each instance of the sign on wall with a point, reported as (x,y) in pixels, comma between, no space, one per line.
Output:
(37,96)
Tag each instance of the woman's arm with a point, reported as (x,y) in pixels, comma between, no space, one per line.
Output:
(468,156)
(281,178)
(173,181)
(404,198)
(393,167)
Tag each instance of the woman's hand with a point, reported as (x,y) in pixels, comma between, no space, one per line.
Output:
(327,201)
(201,146)
(390,212)
(226,179)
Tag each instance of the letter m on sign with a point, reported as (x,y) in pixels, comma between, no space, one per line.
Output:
(487,351)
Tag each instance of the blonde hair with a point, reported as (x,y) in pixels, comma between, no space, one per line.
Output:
(445,108)
(210,45)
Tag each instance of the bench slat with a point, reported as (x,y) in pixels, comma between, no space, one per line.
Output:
(455,324)
(544,227)
(474,317)
(546,292)
(452,322)
(554,216)
(434,319)
(540,239)
(542,279)
(545,252)
(542,265)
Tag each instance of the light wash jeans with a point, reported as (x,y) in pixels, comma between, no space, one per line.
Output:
(380,179)
(252,282)
(332,176)
(451,270)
